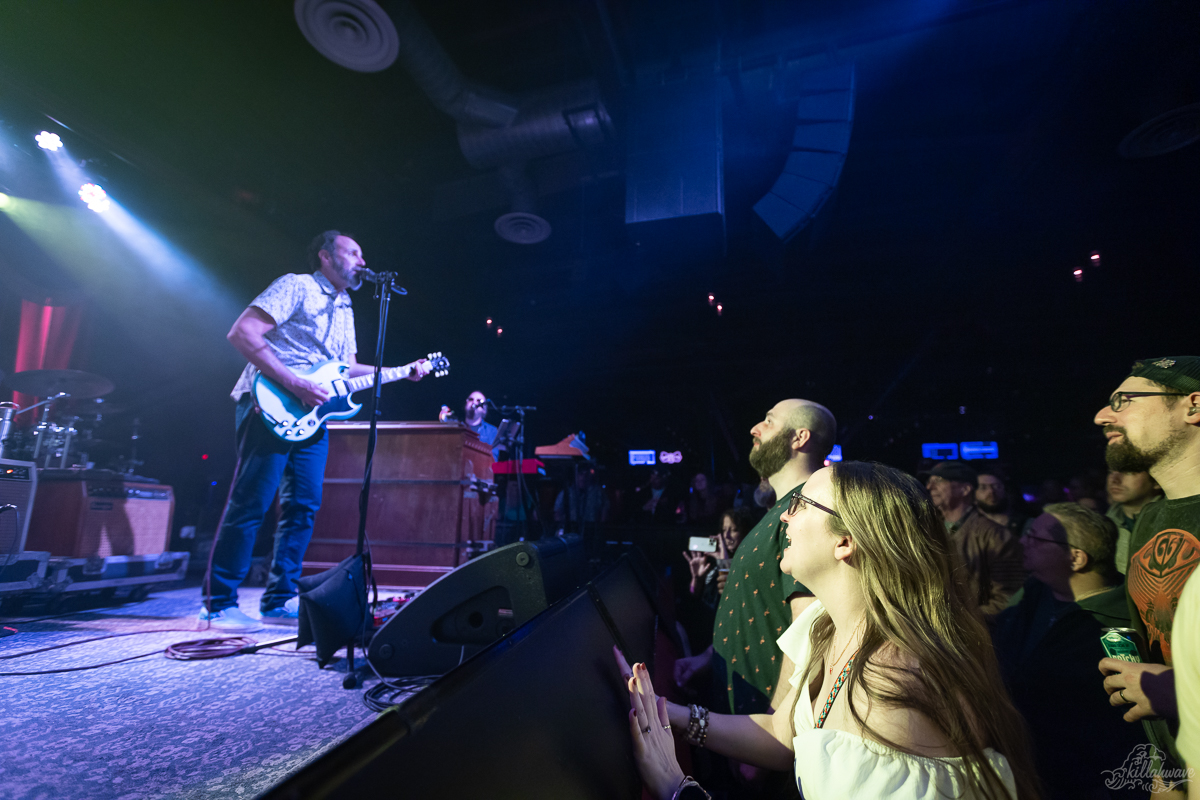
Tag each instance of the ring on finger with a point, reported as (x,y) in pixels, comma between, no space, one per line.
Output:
(646,729)
(1121,694)
(667,727)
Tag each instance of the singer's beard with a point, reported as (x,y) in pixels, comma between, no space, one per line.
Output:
(353,279)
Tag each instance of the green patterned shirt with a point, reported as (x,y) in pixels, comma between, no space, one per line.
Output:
(753,613)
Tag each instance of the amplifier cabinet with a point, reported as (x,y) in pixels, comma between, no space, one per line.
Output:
(101,518)
(18,485)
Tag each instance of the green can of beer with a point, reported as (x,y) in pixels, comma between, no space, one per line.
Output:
(1122,643)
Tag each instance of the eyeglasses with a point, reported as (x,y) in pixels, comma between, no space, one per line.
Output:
(1120,400)
(1066,545)
(799,501)
(1044,539)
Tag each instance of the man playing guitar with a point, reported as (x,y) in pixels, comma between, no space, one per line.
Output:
(300,320)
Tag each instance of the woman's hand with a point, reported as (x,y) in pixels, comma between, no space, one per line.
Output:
(653,744)
(699,564)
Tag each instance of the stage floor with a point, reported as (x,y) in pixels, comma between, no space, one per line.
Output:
(155,727)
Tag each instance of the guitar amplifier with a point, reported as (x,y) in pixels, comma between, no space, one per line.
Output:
(18,485)
(101,518)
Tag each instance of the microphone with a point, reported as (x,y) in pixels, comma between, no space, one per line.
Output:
(381,277)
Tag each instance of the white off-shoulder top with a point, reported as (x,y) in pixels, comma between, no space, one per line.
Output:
(835,765)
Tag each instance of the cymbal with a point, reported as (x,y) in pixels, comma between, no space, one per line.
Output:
(90,407)
(49,382)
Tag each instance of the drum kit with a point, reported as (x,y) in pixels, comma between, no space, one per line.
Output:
(72,413)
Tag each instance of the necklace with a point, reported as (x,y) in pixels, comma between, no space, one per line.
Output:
(845,648)
(1092,594)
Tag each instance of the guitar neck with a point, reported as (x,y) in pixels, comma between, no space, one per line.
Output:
(387,376)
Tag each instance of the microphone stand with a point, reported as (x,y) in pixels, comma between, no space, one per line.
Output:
(384,287)
(520,444)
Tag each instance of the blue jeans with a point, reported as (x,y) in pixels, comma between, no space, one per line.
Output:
(267,465)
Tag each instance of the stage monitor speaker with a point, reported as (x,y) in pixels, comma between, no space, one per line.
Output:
(18,485)
(465,610)
(539,715)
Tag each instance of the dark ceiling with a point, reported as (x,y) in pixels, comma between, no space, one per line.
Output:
(932,298)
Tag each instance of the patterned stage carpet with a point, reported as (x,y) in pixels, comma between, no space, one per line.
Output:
(156,727)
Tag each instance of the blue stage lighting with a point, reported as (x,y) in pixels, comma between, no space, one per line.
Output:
(95,197)
(48,141)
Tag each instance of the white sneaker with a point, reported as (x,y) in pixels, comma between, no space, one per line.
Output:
(230,620)
(286,614)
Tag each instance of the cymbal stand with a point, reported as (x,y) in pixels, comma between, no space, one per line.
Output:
(132,464)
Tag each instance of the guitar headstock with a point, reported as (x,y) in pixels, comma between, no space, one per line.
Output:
(440,365)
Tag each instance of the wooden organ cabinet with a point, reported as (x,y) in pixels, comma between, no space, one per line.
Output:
(426,515)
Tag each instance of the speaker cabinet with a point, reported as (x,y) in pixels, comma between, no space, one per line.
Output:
(465,610)
(538,715)
(89,518)
(18,485)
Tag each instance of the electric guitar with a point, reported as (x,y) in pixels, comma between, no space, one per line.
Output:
(293,421)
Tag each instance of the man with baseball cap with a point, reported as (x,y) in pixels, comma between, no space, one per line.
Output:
(1152,423)
(990,554)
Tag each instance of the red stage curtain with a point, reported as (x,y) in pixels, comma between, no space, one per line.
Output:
(45,340)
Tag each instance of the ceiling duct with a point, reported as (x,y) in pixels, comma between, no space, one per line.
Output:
(357,35)
(1163,134)
(495,130)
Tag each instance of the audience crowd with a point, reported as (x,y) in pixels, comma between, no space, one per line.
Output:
(1020,694)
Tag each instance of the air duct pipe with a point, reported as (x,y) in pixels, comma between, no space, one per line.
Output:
(494,130)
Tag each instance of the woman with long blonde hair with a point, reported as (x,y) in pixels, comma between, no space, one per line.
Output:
(896,692)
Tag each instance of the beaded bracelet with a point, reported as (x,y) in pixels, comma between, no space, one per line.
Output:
(697,729)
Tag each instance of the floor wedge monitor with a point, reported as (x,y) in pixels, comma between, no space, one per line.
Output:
(538,715)
(465,610)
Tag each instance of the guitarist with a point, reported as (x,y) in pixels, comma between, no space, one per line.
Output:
(298,321)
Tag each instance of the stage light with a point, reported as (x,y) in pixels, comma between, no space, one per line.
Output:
(95,197)
(48,141)
(720,308)
(3,199)
(712,299)
(489,322)
(499,332)
(204,457)
(1078,275)
(1095,258)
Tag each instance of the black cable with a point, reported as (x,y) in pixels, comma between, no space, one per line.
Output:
(93,639)
(78,669)
(385,694)
(195,650)
(241,447)
(85,641)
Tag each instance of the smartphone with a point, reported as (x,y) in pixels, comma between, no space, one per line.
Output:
(702,544)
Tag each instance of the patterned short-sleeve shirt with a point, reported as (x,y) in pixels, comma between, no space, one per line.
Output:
(314,322)
(753,613)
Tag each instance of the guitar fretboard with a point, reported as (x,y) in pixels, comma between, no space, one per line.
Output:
(387,376)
